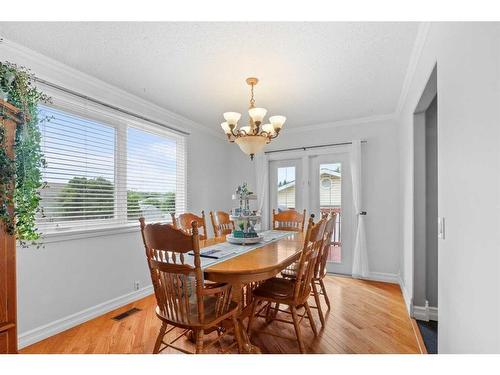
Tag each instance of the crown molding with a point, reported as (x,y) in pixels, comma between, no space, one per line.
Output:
(334,124)
(418,46)
(66,76)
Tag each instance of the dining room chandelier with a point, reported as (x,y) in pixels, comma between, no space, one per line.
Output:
(253,137)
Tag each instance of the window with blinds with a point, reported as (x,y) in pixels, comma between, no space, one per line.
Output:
(102,174)
(155,181)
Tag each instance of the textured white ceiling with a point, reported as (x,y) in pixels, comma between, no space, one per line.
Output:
(310,72)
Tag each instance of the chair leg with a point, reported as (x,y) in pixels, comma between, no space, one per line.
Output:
(159,339)
(311,320)
(297,328)
(252,315)
(199,341)
(323,288)
(318,303)
(276,310)
(237,333)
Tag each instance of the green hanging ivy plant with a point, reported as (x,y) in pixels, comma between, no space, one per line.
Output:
(17,87)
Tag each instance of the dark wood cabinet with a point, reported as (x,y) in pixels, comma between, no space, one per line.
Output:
(9,117)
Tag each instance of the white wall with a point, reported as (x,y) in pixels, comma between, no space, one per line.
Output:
(380,193)
(468,63)
(68,282)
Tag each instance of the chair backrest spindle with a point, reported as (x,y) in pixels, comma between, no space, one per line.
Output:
(221,223)
(320,269)
(184,221)
(289,220)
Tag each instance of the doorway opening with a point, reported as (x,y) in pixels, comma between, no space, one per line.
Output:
(425,239)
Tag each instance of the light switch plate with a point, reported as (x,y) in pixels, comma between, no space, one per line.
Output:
(441,227)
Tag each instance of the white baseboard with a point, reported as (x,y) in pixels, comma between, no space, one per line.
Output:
(433,313)
(425,313)
(420,313)
(374,276)
(406,295)
(53,328)
(385,277)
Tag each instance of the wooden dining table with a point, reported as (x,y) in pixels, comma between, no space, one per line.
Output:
(255,265)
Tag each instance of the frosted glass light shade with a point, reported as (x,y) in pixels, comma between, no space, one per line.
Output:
(277,121)
(251,144)
(232,118)
(226,128)
(257,114)
(269,129)
(246,129)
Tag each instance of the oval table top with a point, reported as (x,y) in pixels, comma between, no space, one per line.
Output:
(258,264)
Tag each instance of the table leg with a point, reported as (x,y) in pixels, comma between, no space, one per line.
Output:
(248,347)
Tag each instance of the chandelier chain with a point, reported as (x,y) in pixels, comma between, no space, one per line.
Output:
(252,100)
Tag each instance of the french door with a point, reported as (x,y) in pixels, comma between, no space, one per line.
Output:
(330,192)
(319,183)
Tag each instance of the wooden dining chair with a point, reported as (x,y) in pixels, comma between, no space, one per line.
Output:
(221,223)
(293,292)
(319,268)
(320,271)
(183,299)
(289,220)
(183,221)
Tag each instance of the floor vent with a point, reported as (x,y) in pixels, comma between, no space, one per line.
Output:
(126,313)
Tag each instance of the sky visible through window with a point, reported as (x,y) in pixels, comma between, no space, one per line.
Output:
(285,175)
(151,162)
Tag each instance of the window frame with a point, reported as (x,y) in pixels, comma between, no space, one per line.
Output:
(120,122)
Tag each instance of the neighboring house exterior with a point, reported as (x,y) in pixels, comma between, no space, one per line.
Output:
(329,186)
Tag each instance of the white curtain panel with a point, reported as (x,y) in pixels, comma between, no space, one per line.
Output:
(360,253)
(261,174)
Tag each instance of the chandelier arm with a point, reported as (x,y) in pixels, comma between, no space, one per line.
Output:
(232,127)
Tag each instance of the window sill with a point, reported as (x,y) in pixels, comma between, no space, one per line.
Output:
(71,235)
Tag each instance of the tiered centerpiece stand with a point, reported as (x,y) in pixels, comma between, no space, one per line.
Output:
(245,221)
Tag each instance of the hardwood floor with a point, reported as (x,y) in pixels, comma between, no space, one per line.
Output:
(366,317)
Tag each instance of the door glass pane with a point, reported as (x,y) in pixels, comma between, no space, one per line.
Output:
(286,188)
(330,193)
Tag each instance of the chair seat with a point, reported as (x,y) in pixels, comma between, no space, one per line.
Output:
(276,289)
(210,306)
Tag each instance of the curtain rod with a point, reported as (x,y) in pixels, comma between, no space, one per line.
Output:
(97,101)
(308,147)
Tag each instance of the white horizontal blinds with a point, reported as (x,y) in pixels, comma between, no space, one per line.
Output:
(155,174)
(108,173)
(80,172)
